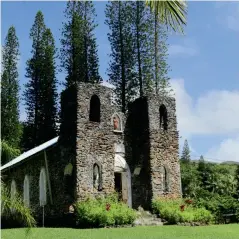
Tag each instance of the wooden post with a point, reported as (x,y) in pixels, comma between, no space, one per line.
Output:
(43,216)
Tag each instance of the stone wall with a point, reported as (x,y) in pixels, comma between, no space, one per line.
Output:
(58,156)
(32,167)
(137,145)
(95,141)
(150,148)
(67,139)
(164,148)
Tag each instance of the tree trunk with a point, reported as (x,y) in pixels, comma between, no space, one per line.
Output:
(122,61)
(86,46)
(138,51)
(156,50)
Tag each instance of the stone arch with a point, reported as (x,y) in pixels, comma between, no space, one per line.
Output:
(13,189)
(68,169)
(122,167)
(163,114)
(116,122)
(68,180)
(97,176)
(26,191)
(13,193)
(165,179)
(94,109)
(42,188)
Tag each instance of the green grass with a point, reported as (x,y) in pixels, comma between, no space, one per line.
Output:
(230,231)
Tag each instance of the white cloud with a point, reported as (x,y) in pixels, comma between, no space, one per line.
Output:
(188,48)
(233,22)
(213,113)
(228,15)
(228,150)
(179,50)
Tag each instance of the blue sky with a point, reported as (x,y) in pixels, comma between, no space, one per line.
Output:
(204,68)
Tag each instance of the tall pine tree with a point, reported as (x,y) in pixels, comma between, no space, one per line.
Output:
(185,157)
(122,71)
(10,126)
(40,92)
(79,56)
(91,59)
(48,86)
(143,43)
(161,68)
(163,84)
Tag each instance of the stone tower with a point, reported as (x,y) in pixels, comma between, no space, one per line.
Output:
(135,154)
(151,141)
(95,140)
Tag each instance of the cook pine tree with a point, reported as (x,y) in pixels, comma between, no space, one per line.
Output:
(40,91)
(142,26)
(185,157)
(10,125)
(79,55)
(160,56)
(122,67)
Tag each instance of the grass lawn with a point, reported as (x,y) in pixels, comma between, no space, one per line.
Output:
(229,231)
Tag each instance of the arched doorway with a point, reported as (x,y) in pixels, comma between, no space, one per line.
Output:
(123,179)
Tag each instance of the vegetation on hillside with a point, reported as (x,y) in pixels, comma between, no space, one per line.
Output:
(210,185)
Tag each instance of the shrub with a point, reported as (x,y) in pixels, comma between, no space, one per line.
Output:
(178,211)
(103,212)
(22,215)
(218,205)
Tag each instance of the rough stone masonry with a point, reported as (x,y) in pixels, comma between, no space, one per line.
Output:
(135,154)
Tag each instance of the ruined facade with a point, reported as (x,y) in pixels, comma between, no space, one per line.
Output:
(100,150)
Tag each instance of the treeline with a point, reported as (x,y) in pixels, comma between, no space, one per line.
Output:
(138,65)
(214,186)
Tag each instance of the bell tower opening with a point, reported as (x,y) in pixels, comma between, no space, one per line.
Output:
(94,109)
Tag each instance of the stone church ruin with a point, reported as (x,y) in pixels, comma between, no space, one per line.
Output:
(101,150)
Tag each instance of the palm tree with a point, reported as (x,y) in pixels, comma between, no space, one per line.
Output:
(171,13)
(15,208)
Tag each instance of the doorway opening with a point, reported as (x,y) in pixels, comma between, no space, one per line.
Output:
(118,185)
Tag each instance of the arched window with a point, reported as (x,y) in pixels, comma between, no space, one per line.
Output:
(26,191)
(68,169)
(163,117)
(68,178)
(42,187)
(97,177)
(95,109)
(13,194)
(13,189)
(117,123)
(165,179)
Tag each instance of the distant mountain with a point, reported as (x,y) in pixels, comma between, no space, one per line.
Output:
(208,161)
(230,162)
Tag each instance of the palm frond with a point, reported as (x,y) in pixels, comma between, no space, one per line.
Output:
(171,13)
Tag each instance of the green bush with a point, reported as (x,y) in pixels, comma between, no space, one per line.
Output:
(103,212)
(218,205)
(171,211)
